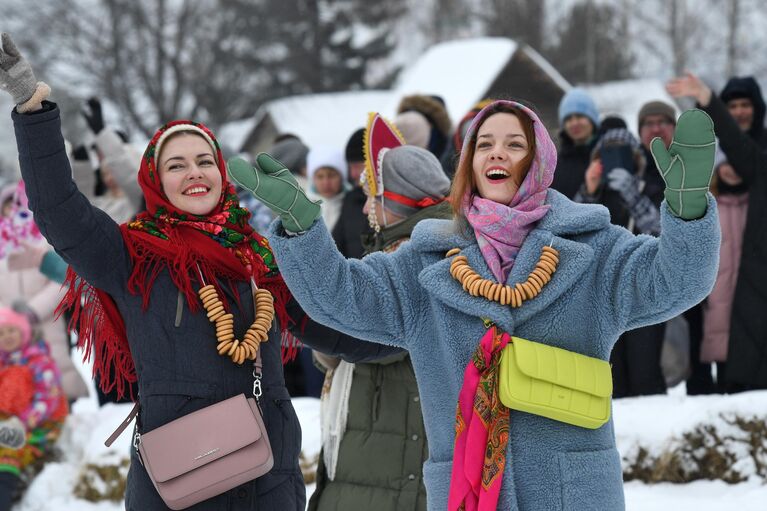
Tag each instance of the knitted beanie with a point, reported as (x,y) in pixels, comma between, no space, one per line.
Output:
(414,173)
(323,156)
(656,108)
(578,101)
(291,152)
(9,317)
(415,127)
(355,147)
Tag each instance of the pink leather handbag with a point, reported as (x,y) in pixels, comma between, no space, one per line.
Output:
(207,452)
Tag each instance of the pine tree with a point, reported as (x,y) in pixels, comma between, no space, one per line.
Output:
(593,45)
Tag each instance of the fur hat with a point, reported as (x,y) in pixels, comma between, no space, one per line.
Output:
(656,108)
(432,107)
(578,101)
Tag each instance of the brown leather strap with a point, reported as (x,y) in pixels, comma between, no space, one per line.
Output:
(122,426)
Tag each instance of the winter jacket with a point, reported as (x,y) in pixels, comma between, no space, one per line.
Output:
(572,162)
(384,423)
(608,281)
(717,308)
(747,352)
(351,225)
(42,295)
(178,368)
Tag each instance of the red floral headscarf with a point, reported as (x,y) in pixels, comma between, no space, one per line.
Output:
(221,245)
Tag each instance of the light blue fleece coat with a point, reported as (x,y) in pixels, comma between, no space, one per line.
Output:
(608,281)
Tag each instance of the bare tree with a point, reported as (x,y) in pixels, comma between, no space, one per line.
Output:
(733,27)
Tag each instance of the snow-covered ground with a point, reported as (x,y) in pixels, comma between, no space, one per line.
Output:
(650,421)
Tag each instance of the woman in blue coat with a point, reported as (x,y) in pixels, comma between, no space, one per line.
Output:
(607,281)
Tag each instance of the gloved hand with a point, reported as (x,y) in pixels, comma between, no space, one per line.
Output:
(93,115)
(276,187)
(625,183)
(688,164)
(80,153)
(13,435)
(16,75)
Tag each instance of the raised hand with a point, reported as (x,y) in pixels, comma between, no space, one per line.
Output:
(275,186)
(93,115)
(688,164)
(689,85)
(16,75)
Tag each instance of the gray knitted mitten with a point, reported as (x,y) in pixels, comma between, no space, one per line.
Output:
(16,75)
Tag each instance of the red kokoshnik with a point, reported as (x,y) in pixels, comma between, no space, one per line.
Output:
(222,244)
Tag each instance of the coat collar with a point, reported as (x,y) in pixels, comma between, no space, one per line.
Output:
(564,220)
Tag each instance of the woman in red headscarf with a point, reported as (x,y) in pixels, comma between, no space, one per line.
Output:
(133,289)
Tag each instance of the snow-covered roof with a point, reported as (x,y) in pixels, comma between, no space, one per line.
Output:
(626,97)
(233,134)
(459,71)
(323,119)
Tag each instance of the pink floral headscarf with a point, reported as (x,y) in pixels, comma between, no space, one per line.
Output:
(501,229)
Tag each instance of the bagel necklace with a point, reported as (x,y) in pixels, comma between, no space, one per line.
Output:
(515,295)
(258,332)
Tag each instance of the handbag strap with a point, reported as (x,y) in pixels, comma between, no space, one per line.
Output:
(257,373)
(124,424)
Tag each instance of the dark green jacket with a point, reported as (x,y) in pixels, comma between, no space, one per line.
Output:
(384,446)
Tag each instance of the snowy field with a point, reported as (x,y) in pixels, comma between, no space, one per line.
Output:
(649,421)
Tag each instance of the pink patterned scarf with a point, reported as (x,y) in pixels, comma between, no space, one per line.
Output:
(481,431)
(482,421)
(501,229)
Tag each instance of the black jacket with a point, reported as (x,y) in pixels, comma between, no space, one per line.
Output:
(178,368)
(572,162)
(351,225)
(747,354)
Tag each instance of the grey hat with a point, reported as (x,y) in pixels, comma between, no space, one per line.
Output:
(292,153)
(415,173)
(656,108)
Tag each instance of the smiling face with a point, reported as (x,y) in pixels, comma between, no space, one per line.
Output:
(499,163)
(189,175)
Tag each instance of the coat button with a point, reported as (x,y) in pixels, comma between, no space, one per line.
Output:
(414,437)
(416,399)
(242,493)
(411,477)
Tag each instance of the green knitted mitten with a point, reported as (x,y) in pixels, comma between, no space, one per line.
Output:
(276,187)
(688,164)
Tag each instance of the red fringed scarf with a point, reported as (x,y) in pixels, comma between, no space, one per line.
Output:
(221,244)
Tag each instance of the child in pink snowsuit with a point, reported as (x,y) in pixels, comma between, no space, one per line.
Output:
(32,403)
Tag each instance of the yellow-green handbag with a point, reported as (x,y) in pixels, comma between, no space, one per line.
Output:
(555,383)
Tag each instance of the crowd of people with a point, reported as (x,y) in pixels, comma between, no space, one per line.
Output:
(402,267)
